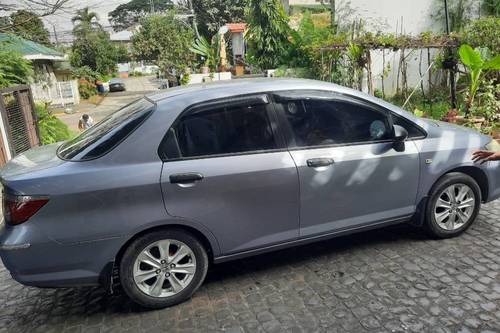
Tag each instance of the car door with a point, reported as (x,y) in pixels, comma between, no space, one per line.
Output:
(226,168)
(350,174)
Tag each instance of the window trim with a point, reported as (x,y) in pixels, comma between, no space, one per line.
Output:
(261,99)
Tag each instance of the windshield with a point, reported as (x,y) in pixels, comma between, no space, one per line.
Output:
(103,137)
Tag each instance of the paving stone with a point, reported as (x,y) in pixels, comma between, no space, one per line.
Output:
(390,280)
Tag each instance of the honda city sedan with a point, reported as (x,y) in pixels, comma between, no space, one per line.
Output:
(163,188)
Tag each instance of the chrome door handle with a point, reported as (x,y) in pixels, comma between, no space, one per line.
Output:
(319,162)
(185,178)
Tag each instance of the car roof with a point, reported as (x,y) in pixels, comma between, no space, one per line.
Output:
(198,93)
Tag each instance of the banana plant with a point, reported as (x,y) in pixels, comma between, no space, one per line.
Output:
(209,51)
(477,64)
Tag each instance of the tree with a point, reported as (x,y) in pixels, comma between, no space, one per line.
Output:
(213,14)
(268,33)
(128,14)
(40,8)
(166,41)
(96,51)
(459,11)
(27,25)
(86,22)
(14,69)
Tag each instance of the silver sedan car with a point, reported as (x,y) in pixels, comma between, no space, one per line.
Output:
(172,183)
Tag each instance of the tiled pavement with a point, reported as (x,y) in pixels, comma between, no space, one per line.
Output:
(391,280)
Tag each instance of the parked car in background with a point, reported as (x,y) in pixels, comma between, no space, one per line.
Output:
(116,84)
(195,176)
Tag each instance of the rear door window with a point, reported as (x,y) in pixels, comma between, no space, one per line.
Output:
(223,129)
(103,137)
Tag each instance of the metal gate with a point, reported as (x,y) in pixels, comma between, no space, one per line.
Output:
(19,118)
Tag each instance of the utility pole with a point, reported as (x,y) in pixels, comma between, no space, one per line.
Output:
(334,12)
(452,64)
(55,34)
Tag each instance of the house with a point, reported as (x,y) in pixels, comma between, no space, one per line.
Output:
(52,75)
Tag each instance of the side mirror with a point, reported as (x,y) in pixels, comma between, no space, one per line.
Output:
(400,135)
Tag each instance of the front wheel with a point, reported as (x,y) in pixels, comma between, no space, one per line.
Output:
(163,268)
(453,205)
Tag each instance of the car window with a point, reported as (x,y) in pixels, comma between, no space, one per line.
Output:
(104,136)
(220,130)
(413,131)
(320,122)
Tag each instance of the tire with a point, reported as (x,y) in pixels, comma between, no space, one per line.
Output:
(136,265)
(465,210)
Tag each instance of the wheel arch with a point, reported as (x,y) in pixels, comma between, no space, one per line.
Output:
(475,173)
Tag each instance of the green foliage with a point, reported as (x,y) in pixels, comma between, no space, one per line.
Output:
(165,41)
(488,102)
(14,69)
(186,77)
(268,33)
(484,33)
(95,51)
(477,61)
(128,14)
(490,7)
(434,106)
(86,89)
(213,14)
(27,25)
(51,128)
(209,52)
(85,73)
(299,72)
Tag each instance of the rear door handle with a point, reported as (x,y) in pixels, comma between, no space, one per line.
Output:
(319,162)
(185,178)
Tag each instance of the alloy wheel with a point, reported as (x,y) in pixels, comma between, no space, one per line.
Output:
(164,268)
(454,207)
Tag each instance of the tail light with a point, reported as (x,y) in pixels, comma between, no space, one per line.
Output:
(18,209)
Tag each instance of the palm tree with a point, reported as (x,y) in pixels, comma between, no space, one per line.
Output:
(86,20)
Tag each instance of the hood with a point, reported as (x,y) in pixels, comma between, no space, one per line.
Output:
(33,160)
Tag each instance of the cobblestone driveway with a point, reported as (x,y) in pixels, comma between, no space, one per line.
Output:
(391,280)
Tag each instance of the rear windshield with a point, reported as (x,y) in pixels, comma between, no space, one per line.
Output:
(103,137)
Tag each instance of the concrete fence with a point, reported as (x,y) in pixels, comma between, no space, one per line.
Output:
(60,93)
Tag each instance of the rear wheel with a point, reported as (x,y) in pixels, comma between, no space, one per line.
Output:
(453,205)
(163,268)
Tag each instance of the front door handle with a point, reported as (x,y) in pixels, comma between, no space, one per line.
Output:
(185,178)
(319,162)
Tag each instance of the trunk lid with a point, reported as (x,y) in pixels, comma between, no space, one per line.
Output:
(31,161)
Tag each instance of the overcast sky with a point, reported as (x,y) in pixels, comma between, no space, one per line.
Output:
(62,19)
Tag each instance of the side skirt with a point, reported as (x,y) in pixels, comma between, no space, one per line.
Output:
(317,238)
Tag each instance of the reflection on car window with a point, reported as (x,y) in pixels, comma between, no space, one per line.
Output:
(100,139)
(325,122)
(221,130)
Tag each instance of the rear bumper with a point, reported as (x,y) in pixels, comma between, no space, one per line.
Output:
(37,261)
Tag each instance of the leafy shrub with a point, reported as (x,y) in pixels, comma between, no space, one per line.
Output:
(51,128)
(14,69)
(85,73)
(87,89)
(483,33)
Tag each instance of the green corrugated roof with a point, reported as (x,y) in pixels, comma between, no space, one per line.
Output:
(26,47)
